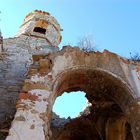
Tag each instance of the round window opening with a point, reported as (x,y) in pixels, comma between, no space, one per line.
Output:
(70,104)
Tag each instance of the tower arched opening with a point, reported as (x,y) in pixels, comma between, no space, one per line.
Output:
(40,30)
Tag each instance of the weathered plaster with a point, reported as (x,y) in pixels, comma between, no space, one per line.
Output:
(70,68)
(14,63)
(53,29)
(30,117)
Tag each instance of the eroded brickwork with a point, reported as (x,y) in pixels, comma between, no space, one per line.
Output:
(102,76)
(15,58)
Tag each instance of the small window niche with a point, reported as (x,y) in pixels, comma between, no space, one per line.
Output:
(40,30)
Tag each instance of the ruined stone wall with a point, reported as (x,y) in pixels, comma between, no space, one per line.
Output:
(16,56)
(104,77)
(31,43)
(14,63)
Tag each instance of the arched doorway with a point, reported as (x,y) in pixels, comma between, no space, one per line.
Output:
(110,98)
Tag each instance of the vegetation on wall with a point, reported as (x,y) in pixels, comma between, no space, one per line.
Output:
(87,44)
(135,57)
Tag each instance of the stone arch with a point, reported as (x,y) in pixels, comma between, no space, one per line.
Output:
(101,86)
(68,80)
(52,74)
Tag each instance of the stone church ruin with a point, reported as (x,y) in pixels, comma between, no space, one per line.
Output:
(34,72)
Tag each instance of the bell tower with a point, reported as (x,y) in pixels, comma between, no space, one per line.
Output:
(41,25)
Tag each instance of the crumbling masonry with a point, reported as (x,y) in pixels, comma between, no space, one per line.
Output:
(34,73)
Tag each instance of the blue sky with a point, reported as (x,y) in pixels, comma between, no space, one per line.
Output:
(70,104)
(114,24)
